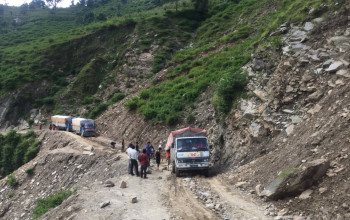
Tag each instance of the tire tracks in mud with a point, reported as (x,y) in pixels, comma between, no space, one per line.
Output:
(184,204)
(208,198)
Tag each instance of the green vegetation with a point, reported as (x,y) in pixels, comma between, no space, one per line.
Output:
(11,180)
(16,149)
(11,194)
(287,173)
(220,68)
(54,200)
(30,171)
(74,54)
(103,106)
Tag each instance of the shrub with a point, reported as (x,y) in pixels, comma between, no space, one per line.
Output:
(90,99)
(117,97)
(11,194)
(190,118)
(44,205)
(173,118)
(11,180)
(98,110)
(30,171)
(30,122)
(230,86)
(31,152)
(132,103)
(144,94)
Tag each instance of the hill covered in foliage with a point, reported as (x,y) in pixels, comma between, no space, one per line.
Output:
(77,60)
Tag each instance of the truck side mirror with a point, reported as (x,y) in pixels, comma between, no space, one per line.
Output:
(172,145)
(210,147)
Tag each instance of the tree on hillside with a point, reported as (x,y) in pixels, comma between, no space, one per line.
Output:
(24,8)
(2,9)
(90,3)
(201,5)
(82,2)
(53,3)
(37,4)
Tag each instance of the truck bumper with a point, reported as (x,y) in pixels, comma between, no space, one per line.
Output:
(203,166)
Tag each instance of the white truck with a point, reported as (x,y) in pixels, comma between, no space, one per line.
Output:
(189,150)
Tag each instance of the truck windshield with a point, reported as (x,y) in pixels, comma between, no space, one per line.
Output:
(192,144)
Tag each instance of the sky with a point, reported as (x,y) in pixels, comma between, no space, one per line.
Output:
(62,4)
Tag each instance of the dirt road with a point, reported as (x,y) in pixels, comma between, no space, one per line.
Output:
(162,195)
(64,162)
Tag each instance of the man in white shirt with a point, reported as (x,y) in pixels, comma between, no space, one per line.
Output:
(133,156)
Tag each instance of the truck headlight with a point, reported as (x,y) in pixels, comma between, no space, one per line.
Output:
(180,161)
(206,160)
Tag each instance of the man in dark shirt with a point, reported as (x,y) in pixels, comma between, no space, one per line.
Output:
(137,147)
(144,162)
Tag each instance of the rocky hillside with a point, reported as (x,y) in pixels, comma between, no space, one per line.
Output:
(282,140)
(296,113)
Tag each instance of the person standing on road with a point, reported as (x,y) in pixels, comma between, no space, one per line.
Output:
(158,157)
(133,157)
(137,147)
(152,151)
(129,158)
(144,162)
(168,157)
(148,150)
(123,146)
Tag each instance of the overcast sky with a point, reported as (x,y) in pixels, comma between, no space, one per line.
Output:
(63,3)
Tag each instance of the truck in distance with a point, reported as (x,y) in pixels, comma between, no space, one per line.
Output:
(84,127)
(62,122)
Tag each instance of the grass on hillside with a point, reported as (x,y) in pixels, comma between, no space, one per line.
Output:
(16,149)
(238,28)
(54,200)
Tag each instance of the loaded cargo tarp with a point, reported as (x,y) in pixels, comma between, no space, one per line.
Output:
(184,132)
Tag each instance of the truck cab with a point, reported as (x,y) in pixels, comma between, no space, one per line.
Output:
(190,153)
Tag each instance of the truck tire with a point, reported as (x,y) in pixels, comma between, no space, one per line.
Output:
(206,173)
(173,167)
(177,172)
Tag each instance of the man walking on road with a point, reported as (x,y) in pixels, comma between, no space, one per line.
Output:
(143,161)
(132,153)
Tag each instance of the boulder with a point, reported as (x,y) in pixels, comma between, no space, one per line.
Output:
(315,109)
(122,184)
(306,194)
(104,204)
(290,130)
(344,73)
(314,97)
(260,94)
(241,184)
(258,64)
(108,183)
(89,148)
(258,189)
(308,26)
(133,199)
(257,131)
(334,66)
(294,181)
